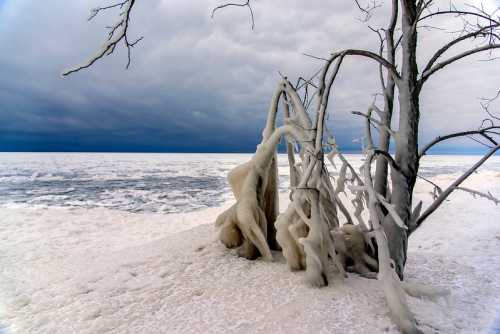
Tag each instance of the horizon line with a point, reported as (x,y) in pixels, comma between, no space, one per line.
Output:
(228,152)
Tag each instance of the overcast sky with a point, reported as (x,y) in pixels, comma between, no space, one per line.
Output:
(198,84)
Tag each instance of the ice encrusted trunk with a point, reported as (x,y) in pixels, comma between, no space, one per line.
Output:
(270,203)
(269,200)
(406,140)
(388,88)
(381,173)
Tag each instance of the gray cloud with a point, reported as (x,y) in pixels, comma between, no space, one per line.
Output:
(197,82)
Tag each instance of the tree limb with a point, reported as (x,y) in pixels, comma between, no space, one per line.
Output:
(118,32)
(459,13)
(380,124)
(439,139)
(475,193)
(451,188)
(442,50)
(371,55)
(368,9)
(439,66)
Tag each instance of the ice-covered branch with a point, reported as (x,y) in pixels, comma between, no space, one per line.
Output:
(452,188)
(298,106)
(437,190)
(273,110)
(392,211)
(294,173)
(118,33)
(391,285)
(372,120)
(345,163)
(324,95)
(341,183)
(488,195)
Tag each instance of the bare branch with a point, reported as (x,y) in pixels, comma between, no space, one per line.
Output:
(371,55)
(483,132)
(480,32)
(245,4)
(485,104)
(453,187)
(381,54)
(368,9)
(483,26)
(460,13)
(479,142)
(314,57)
(118,32)
(439,66)
(371,119)
(95,11)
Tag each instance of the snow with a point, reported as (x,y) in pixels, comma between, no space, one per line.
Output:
(108,271)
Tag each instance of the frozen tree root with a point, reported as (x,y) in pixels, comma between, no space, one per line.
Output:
(353,251)
(244,224)
(290,229)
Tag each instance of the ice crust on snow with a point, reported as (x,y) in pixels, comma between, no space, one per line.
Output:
(104,270)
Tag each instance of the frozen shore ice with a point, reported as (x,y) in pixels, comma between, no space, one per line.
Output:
(109,271)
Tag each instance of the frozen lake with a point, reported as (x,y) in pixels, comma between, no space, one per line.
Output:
(161,183)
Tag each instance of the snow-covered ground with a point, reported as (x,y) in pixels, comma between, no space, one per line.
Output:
(101,270)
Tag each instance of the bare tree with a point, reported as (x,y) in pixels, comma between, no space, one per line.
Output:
(309,230)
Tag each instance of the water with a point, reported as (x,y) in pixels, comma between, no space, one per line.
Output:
(163,183)
(131,182)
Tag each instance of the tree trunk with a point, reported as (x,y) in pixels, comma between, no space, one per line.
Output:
(384,139)
(271,204)
(406,141)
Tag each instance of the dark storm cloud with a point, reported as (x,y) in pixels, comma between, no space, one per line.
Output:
(195,84)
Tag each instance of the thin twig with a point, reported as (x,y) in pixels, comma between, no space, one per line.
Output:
(245,4)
